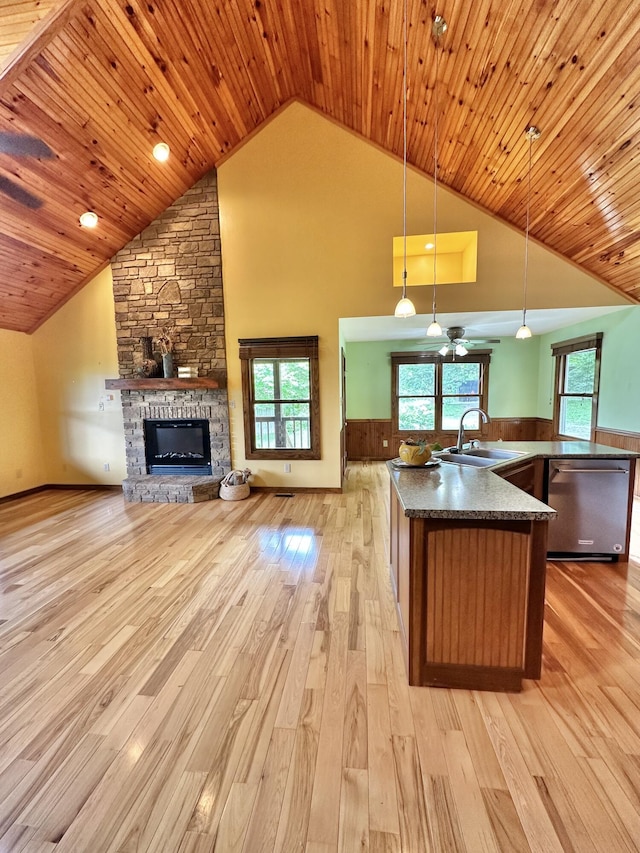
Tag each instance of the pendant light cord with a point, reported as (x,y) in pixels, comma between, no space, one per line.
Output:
(526,236)
(404,158)
(435,179)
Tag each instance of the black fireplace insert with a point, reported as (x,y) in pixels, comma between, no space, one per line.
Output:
(178,446)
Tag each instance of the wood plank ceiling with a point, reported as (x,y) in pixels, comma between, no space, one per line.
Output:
(103,80)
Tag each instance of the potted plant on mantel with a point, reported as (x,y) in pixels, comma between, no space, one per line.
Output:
(164,341)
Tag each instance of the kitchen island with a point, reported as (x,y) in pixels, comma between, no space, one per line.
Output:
(468,558)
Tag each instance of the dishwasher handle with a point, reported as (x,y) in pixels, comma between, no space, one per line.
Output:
(590,471)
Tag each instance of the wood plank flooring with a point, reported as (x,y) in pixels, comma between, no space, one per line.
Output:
(229,677)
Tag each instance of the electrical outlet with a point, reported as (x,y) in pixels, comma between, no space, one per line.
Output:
(18,473)
(107,467)
(287,467)
(385,443)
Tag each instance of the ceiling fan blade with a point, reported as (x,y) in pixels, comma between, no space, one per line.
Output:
(18,194)
(23,145)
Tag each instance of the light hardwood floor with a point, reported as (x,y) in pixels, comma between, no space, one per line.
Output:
(229,677)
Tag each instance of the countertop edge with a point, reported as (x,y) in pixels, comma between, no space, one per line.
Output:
(488,483)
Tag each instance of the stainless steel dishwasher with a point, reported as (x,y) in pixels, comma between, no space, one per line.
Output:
(591,497)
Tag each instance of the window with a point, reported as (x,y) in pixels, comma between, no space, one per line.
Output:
(430,393)
(280,391)
(576,386)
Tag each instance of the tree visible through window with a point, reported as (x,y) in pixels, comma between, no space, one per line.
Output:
(280,393)
(576,387)
(430,393)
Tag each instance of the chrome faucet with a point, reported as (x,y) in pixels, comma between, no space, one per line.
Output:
(485,419)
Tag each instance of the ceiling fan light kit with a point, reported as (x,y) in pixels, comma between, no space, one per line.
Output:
(458,345)
(405,307)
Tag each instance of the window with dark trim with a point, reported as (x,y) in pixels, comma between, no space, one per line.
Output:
(430,392)
(577,378)
(281,397)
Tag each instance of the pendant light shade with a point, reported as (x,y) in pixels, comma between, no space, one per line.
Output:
(438,29)
(524,331)
(532,133)
(405,307)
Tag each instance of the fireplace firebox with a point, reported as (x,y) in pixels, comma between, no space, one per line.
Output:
(177,446)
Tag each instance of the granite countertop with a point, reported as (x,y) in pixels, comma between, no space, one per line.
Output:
(573,449)
(460,491)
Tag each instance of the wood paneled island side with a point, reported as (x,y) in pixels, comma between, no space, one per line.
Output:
(468,558)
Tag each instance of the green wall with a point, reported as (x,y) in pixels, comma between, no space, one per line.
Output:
(513,377)
(619,404)
(521,373)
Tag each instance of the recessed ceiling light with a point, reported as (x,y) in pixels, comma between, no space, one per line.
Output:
(428,246)
(161,152)
(89,219)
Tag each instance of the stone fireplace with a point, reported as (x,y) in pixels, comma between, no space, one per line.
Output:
(177,446)
(170,275)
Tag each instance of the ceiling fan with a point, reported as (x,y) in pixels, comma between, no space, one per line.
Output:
(22,145)
(458,345)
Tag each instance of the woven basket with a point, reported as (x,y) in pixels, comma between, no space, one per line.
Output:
(234,493)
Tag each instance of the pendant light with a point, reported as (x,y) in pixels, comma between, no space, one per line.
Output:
(438,29)
(532,133)
(405,307)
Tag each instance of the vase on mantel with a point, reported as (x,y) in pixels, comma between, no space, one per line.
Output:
(146,363)
(167,365)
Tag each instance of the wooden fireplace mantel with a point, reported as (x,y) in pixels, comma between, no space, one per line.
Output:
(159,384)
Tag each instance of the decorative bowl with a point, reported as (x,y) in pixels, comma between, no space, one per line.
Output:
(414,454)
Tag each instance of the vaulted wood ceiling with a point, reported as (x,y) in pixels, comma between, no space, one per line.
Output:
(101,81)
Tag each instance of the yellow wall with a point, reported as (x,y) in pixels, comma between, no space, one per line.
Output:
(21,465)
(75,351)
(308,212)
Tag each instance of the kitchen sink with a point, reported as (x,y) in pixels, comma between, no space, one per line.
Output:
(466,459)
(493,453)
(479,457)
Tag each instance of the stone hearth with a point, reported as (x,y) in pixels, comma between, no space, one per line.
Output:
(171,275)
(181,490)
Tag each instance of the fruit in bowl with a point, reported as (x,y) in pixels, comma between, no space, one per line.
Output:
(414,452)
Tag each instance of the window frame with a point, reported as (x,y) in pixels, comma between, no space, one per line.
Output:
(559,352)
(481,357)
(283,349)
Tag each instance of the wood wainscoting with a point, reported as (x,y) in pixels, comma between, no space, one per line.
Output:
(365,438)
(544,429)
(625,440)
